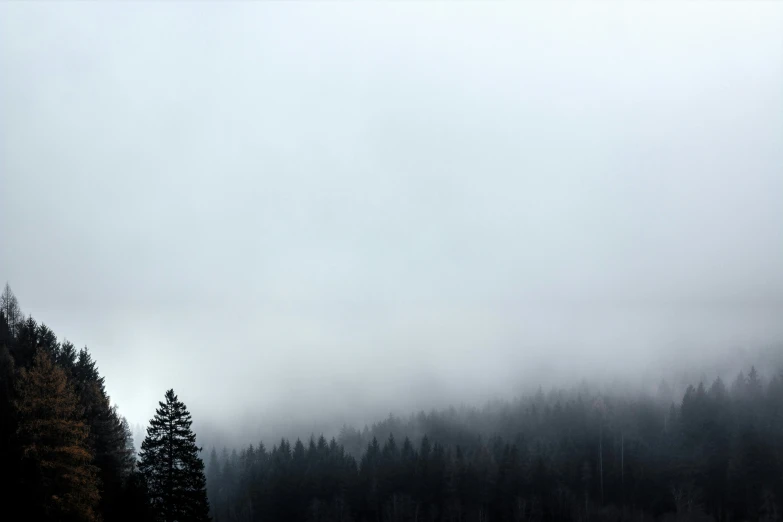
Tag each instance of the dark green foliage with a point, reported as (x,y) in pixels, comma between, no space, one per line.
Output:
(132,502)
(563,456)
(107,441)
(702,453)
(171,466)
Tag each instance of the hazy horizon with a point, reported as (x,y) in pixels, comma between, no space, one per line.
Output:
(296,213)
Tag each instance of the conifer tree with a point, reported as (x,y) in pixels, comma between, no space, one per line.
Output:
(171,465)
(9,306)
(108,438)
(213,480)
(53,439)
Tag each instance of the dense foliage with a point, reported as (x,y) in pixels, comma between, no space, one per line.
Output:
(55,457)
(712,453)
(171,466)
(715,455)
(66,454)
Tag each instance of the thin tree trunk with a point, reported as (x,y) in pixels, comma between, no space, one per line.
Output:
(622,459)
(601,461)
(622,469)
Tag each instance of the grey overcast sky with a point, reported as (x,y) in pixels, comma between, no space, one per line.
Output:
(304,210)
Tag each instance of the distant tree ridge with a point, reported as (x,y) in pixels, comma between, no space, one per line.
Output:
(568,455)
(582,454)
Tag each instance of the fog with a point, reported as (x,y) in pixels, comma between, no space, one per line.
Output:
(315,213)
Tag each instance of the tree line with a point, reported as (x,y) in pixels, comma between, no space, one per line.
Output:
(716,454)
(67,455)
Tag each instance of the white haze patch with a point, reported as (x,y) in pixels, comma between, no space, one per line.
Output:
(309,213)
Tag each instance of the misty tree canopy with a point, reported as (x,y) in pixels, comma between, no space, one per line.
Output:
(577,454)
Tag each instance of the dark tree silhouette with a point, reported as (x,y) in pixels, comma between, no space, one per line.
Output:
(53,441)
(28,470)
(685,453)
(171,466)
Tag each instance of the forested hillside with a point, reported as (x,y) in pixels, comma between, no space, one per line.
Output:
(67,455)
(65,452)
(716,455)
(579,454)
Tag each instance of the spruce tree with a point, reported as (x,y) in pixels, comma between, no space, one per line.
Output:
(171,465)
(108,438)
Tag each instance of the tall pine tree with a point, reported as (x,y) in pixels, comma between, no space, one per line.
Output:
(171,465)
